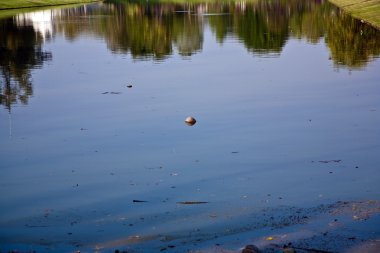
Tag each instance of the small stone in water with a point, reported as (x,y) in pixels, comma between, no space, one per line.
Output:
(251,249)
(190,121)
(288,250)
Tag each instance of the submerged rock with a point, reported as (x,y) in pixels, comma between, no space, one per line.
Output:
(251,249)
(288,250)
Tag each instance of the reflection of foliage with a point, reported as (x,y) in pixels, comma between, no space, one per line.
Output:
(308,19)
(221,25)
(188,34)
(351,43)
(143,30)
(151,29)
(20,51)
(140,31)
(263,28)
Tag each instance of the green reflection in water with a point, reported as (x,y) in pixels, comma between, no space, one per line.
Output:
(154,31)
(351,43)
(144,31)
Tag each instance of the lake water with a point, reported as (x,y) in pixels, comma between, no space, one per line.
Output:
(286,95)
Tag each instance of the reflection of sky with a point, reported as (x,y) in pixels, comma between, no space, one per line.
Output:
(280,114)
(40,20)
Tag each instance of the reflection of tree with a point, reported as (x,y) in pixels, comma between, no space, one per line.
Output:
(152,29)
(263,28)
(351,43)
(308,19)
(188,34)
(20,51)
(221,25)
(141,31)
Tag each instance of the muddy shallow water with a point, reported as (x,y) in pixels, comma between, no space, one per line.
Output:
(95,154)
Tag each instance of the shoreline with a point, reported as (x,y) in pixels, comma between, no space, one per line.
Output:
(366,11)
(341,226)
(21,4)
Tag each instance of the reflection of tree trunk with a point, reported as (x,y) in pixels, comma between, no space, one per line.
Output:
(7,76)
(10,122)
(6,98)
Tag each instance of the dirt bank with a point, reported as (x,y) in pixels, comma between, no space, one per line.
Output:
(367,11)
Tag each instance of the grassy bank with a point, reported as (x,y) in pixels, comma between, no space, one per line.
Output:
(366,10)
(14,4)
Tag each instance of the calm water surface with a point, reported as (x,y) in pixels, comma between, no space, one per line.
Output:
(286,97)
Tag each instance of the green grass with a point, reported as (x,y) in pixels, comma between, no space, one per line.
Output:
(6,13)
(15,4)
(366,10)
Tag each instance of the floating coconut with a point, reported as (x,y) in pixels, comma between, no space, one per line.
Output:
(190,121)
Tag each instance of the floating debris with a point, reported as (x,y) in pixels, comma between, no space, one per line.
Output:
(190,121)
(139,201)
(192,202)
(129,86)
(112,92)
(330,161)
